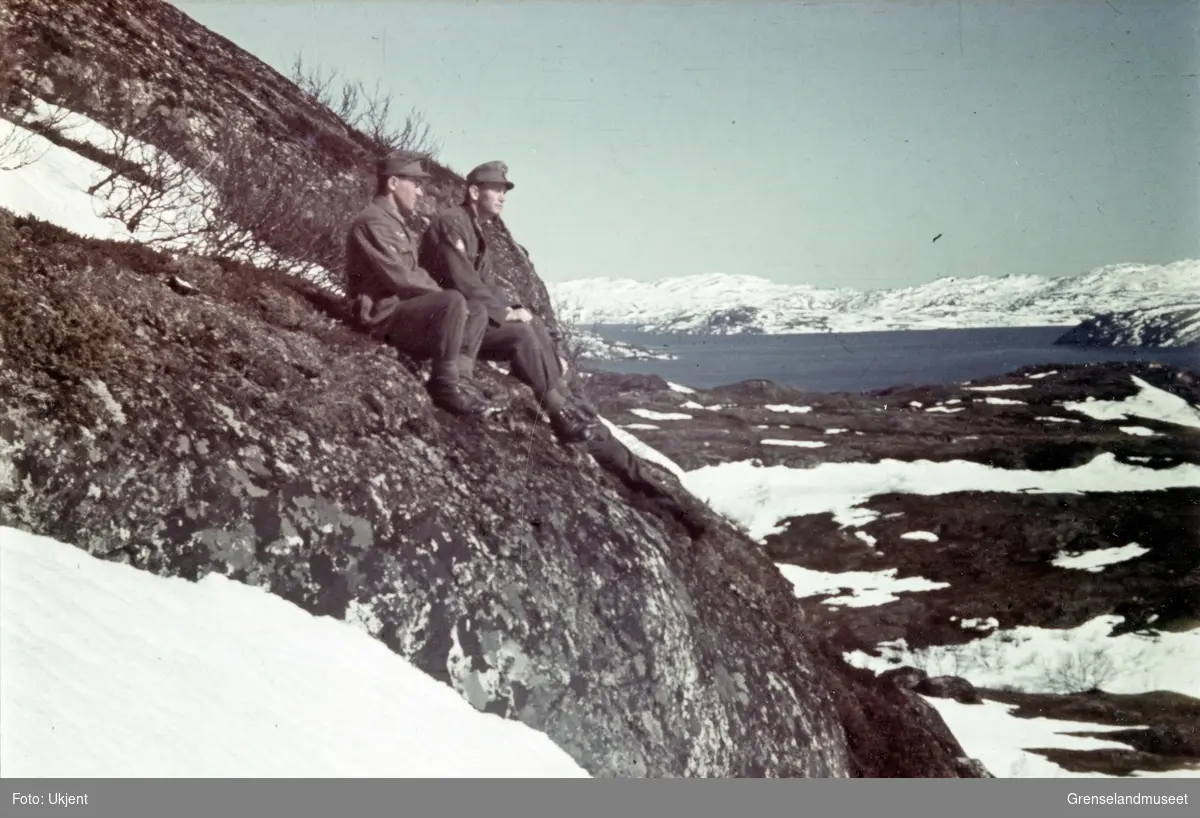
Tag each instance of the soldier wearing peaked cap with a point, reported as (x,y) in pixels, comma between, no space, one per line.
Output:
(492,173)
(394,299)
(455,252)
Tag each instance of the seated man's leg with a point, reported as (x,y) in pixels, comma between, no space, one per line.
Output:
(473,328)
(546,342)
(543,334)
(534,363)
(432,326)
(476,324)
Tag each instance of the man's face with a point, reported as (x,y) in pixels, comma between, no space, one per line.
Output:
(405,193)
(490,199)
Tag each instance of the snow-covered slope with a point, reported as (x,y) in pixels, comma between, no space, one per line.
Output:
(114,672)
(722,304)
(1139,328)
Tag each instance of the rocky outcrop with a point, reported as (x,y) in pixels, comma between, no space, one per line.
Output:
(236,428)
(1176,328)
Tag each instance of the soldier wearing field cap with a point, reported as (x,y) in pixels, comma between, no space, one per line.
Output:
(397,301)
(455,252)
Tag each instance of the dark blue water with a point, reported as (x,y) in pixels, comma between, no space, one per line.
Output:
(854,362)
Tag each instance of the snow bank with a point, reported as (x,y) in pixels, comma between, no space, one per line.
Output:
(867,588)
(1150,402)
(114,672)
(650,414)
(1098,560)
(759,497)
(643,450)
(987,732)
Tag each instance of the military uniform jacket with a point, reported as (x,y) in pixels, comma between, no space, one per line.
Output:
(381,264)
(454,251)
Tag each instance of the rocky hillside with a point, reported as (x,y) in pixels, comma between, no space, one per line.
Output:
(731,304)
(235,430)
(1138,328)
(274,156)
(234,425)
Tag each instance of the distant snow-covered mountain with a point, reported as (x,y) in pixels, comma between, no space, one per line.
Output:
(1138,328)
(729,304)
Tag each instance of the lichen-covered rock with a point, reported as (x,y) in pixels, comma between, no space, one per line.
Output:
(238,430)
(949,687)
(905,677)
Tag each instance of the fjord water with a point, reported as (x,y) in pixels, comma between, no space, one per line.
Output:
(863,361)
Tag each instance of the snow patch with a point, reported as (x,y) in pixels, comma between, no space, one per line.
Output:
(867,588)
(643,450)
(927,536)
(1139,431)
(865,537)
(1096,561)
(759,497)
(784,407)
(1000,741)
(802,444)
(650,414)
(1150,402)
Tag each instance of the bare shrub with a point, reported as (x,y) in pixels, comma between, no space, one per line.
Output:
(18,145)
(1076,670)
(1084,668)
(179,181)
(368,111)
(573,341)
(212,194)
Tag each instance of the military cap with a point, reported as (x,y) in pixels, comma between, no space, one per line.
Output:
(490,172)
(407,165)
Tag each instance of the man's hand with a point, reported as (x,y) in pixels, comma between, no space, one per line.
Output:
(520,314)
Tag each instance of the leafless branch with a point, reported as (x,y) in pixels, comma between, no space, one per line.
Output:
(368,111)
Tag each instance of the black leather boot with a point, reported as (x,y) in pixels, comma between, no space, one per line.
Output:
(571,425)
(448,392)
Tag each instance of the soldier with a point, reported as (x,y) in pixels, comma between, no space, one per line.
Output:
(454,251)
(395,300)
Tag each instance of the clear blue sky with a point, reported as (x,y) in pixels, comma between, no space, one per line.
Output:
(824,143)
